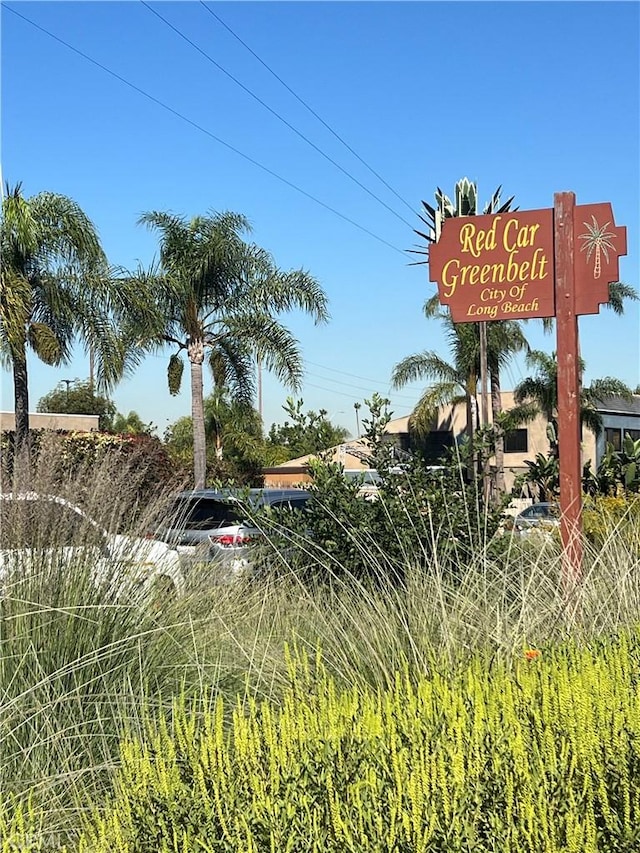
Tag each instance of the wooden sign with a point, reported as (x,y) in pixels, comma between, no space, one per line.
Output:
(532,264)
(598,244)
(495,267)
(502,266)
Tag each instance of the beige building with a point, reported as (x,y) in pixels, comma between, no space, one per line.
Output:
(619,417)
(52,421)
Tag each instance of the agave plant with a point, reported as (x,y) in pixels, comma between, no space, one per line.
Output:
(466,204)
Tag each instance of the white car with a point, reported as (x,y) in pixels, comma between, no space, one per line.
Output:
(40,530)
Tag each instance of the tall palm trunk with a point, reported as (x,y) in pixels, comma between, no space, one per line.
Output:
(496,408)
(195,352)
(21,399)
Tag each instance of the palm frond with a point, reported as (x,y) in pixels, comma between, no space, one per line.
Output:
(425,412)
(618,292)
(45,344)
(600,390)
(233,367)
(425,365)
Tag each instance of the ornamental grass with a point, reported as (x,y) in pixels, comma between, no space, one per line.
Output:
(451,711)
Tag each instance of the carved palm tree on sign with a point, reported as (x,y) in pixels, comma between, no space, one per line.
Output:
(598,241)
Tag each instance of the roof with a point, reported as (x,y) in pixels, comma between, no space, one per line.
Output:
(340,453)
(619,405)
(398,426)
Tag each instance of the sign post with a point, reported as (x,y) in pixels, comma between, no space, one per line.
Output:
(568,355)
(556,262)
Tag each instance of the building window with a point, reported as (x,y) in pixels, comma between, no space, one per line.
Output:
(516,441)
(613,436)
(634,434)
(436,444)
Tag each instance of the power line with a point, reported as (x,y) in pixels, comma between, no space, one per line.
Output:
(344,373)
(199,127)
(357,387)
(272,111)
(345,394)
(401,397)
(306,105)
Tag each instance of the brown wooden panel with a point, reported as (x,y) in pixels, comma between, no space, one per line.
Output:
(598,245)
(495,267)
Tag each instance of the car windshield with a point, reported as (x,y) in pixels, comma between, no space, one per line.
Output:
(205,513)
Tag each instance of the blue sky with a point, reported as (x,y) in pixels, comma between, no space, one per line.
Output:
(539,97)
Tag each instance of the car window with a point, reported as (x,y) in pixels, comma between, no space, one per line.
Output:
(205,513)
(529,512)
(290,503)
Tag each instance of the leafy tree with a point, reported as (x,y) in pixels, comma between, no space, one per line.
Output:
(233,426)
(421,517)
(216,296)
(79,398)
(307,433)
(55,288)
(541,390)
(233,435)
(131,424)
(619,470)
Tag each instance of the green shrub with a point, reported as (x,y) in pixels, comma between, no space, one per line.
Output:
(542,757)
(605,516)
(419,519)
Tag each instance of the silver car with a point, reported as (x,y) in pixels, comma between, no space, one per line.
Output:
(220,527)
(539,515)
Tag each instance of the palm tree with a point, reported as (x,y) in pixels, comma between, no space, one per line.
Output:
(55,288)
(219,297)
(504,338)
(541,390)
(451,382)
(229,422)
(466,204)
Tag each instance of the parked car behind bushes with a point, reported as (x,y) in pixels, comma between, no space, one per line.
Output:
(41,532)
(222,527)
